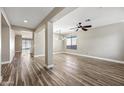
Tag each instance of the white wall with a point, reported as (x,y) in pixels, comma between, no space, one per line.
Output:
(12,45)
(58,45)
(11,36)
(104,42)
(4,14)
(5,44)
(25,32)
(39,43)
(8,44)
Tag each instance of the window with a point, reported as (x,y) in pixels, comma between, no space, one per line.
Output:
(26,44)
(71,42)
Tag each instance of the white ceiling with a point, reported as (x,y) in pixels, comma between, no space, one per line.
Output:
(34,15)
(100,16)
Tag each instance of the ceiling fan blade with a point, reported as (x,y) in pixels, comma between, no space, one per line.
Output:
(77,30)
(73,28)
(87,26)
(84,29)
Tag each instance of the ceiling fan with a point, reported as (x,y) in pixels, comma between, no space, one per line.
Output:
(80,26)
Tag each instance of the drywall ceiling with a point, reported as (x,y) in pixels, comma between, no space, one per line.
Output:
(34,15)
(100,16)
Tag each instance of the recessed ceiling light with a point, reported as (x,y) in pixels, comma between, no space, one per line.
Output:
(25,21)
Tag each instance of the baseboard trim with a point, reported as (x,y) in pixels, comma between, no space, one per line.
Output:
(5,62)
(44,55)
(8,62)
(49,66)
(18,51)
(57,52)
(38,55)
(105,59)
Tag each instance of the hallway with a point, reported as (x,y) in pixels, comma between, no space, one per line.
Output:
(68,70)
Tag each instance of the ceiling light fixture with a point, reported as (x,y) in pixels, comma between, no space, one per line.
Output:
(25,21)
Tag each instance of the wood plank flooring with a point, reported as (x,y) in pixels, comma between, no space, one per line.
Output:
(69,70)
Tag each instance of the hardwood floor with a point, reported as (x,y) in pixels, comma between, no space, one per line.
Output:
(69,70)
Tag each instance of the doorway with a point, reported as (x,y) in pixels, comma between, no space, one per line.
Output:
(26,45)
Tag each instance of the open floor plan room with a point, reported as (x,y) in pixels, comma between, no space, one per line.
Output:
(62,46)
